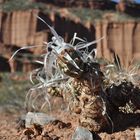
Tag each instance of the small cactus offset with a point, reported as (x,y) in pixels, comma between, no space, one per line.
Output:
(94,92)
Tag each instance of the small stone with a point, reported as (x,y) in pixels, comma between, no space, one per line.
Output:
(137,133)
(37,118)
(82,134)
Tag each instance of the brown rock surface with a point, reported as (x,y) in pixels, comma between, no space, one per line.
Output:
(122,37)
(136,41)
(0,18)
(62,129)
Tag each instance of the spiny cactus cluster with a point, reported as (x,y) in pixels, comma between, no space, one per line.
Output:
(72,71)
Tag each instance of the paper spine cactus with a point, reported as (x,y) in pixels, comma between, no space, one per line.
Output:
(73,67)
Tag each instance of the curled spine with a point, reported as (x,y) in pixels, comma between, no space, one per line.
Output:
(50,74)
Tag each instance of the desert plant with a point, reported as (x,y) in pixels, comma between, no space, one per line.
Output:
(72,68)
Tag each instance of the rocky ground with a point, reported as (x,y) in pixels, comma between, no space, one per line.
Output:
(8,129)
(61,129)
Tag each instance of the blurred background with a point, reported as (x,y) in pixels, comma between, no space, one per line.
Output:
(117,20)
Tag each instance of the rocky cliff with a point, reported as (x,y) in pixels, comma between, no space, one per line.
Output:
(18,28)
(22,28)
(122,37)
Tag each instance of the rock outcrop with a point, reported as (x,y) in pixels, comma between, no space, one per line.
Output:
(18,27)
(121,37)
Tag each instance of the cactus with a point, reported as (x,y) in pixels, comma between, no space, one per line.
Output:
(94,93)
